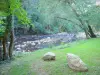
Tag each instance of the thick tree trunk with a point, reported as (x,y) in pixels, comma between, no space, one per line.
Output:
(90,31)
(92,35)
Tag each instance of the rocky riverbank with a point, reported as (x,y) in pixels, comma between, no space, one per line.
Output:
(34,42)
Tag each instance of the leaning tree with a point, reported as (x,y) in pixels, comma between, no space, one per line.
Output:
(80,8)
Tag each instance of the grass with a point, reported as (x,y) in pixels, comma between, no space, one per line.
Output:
(32,63)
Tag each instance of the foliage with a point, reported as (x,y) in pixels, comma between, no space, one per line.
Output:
(14,8)
(2,29)
(93,15)
(1,22)
(54,9)
(17,10)
(45,12)
(2,26)
(38,28)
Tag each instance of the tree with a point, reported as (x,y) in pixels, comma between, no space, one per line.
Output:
(93,15)
(11,8)
(73,10)
(77,9)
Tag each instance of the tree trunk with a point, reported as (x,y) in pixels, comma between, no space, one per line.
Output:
(11,44)
(10,21)
(0,50)
(87,34)
(4,49)
(92,35)
(10,30)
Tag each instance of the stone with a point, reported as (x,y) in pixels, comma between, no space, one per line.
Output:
(75,63)
(49,56)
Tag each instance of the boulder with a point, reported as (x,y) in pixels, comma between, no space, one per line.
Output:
(75,63)
(49,56)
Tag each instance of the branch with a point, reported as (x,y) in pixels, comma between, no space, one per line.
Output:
(71,22)
(68,20)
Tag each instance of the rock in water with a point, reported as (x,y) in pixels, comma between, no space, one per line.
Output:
(49,56)
(75,63)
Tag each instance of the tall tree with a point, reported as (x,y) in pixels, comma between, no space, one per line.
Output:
(11,8)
